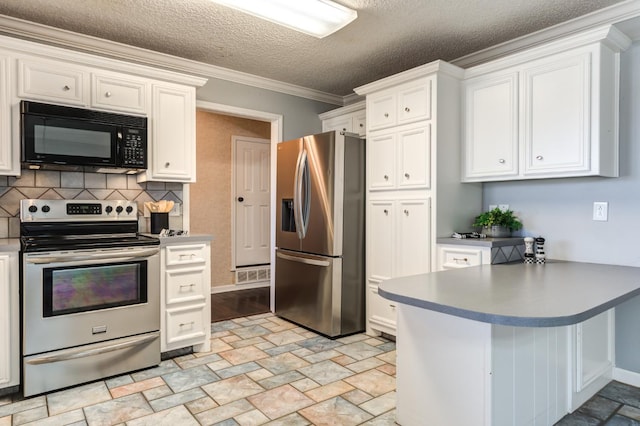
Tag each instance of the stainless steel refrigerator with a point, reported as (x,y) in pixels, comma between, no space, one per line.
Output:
(320,195)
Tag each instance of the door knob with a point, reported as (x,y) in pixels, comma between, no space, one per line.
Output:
(240,199)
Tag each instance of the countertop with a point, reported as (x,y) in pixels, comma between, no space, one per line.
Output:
(181,239)
(482,242)
(554,294)
(9,245)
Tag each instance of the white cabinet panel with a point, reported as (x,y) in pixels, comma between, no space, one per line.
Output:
(53,81)
(9,152)
(172,146)
(413,240)
(9,321)
(381,110)
(556,99)
(414,156)
(113,92)
(491,126)
(381,151)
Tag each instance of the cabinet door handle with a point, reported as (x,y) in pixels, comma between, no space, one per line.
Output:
(184,324)
(188,256)
(187,286)
(460,259)
(66,88)
(501,161)
(539,157)
(407,109)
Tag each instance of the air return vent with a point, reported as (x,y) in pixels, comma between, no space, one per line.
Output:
(252,275)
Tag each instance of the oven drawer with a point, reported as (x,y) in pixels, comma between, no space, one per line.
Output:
(185,326)
(185,254)
(184,285)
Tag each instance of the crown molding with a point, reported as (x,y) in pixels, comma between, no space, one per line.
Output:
(32,31)
(615,14)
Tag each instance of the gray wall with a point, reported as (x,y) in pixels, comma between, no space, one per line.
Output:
(561,211)
(300,116)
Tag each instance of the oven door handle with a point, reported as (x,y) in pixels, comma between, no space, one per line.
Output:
(92,256)
(68,354)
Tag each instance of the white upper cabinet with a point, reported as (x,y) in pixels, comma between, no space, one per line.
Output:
(403,104)
(120,93)
(9,153)
(491,126)
(172,136)
(546,113)
(351,118)
(53,81)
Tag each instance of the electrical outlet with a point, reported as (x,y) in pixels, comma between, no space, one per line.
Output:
(493,206)
(600,211)
(503,207)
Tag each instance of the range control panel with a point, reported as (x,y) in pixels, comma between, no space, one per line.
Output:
(34,210)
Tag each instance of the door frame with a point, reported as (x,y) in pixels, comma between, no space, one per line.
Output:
(276,137)
(234,204)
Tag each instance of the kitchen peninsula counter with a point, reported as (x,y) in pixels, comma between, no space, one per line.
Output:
(526,295)
(505,344)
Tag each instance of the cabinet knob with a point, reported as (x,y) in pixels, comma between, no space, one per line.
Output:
(167,164)
(386,177)
(240,199)
(406,175)
(361,125)
(386,212)
(107,95)
(539,157)
(66,88)
(406,212)
(501,161)
(407,109)
(344,129)
(386,115)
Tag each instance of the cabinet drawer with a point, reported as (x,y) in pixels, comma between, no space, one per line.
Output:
(459,258)
(186,254)
(52,81)
(382,312)
(118,94)
(184,285)
(185,324)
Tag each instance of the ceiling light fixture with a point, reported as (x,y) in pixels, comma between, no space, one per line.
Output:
(318,18)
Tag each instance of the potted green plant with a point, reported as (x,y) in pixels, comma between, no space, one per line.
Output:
(497,223)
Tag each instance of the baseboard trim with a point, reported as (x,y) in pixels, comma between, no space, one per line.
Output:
(236,287)
(625,376)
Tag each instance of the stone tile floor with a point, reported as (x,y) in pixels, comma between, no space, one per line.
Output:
(261,370)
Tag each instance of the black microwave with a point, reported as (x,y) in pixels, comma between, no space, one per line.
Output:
(58,137)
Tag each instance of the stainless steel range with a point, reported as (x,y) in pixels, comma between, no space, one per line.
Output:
(90,292)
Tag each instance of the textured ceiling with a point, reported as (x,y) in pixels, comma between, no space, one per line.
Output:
(389,36)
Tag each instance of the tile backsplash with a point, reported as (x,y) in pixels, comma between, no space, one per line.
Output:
(47,184)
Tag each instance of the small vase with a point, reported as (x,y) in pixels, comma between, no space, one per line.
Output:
(496,231)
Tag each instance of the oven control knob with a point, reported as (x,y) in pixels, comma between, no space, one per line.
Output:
(119,209)
(129,209)
(108,209)
(33,209)
(46,208)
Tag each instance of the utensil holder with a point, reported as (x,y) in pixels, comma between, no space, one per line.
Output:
(159,221)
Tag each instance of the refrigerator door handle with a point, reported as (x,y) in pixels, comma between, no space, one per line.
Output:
(301,195)
(303,260)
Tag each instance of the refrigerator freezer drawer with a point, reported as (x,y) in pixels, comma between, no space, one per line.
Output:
(314,292)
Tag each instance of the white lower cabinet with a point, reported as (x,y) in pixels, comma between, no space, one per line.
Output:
(186,295)
(454,257)
(398,233)
(9,321)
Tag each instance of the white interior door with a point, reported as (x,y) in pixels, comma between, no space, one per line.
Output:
(251,200)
